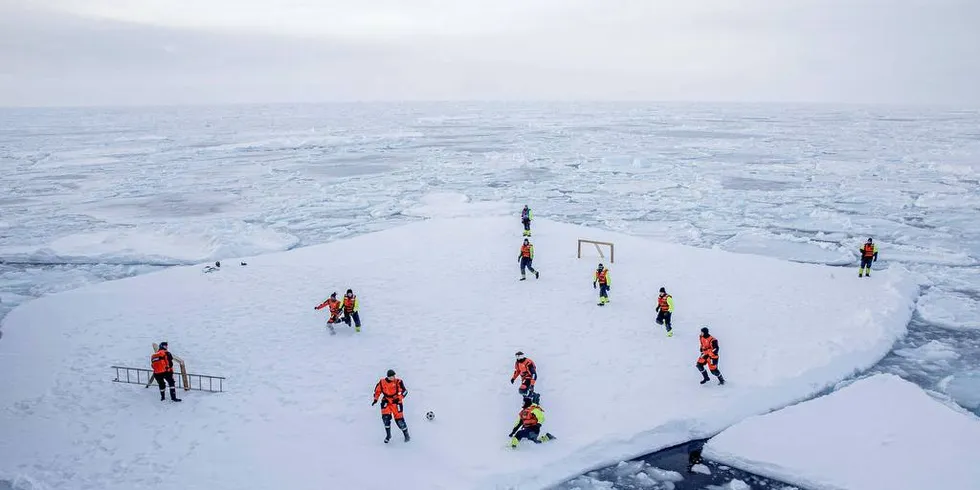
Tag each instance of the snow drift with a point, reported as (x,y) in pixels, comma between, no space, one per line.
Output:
(442,306)
(878,432)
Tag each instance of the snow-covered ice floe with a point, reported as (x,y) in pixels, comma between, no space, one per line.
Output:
(788,248)
(878,432)
(442,305)
(964,389)
(165,244)
(950,309)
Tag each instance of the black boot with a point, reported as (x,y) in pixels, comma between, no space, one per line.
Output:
(705,379)
(163,397)
(387,434)
(721,379)
(173,395)
(407,437)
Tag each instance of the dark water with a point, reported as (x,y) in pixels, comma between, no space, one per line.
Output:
(671,469)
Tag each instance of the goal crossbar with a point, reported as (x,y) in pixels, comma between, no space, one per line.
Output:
(612,249)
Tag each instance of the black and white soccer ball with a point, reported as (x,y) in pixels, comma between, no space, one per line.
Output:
(430,415)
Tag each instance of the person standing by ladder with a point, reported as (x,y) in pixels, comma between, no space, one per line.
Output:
(162,362)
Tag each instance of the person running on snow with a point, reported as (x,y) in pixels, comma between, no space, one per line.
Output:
(162,362)
(528,425)
(350,310)
(869,254)
(665,308)
(601,280)
(709,356)
(526,257)
(394,391)
(526,220)
(334,305)
(525,368)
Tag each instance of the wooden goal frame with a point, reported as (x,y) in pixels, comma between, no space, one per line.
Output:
(612,249)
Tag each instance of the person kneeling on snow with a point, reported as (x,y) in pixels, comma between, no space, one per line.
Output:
(528,425)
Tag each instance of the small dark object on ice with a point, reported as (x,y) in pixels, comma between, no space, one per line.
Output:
(243,263)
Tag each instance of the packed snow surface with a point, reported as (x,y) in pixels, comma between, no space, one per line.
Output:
(441,304)
(878,432)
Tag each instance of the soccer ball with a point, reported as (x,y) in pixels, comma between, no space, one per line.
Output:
(429,415)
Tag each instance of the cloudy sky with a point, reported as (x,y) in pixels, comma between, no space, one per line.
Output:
(121,52)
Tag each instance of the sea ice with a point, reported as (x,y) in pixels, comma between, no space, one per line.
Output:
(878,432)
(441,304)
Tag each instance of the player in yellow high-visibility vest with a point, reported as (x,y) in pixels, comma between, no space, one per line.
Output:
(869,254)
(600,279)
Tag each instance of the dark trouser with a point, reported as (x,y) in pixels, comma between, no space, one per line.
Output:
(389,409)
(663,318)
(530,432)
(866,263)
(527,224)
(603,290)
(164,379)
(526,264)
(352,314)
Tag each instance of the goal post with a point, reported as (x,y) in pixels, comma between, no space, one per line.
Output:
(612,249)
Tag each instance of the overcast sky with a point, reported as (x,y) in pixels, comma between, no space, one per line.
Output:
(94,52)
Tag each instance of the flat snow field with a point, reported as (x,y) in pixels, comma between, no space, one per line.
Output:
(878,432)
(442,305)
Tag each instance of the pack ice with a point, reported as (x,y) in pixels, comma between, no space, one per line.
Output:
(441,304)
(878,432)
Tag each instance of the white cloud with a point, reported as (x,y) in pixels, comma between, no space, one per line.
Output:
(154,51)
